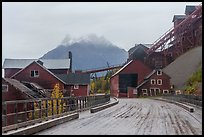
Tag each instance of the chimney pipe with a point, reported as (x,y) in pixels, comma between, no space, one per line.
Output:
(40,62)
(70,57)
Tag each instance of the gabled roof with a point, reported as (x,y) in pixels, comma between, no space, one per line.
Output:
(176,17)
(139,46)
(48,63)
(18,85)
(35,87)
(190,9)
(146,79)
(41,67)
(122,68)
(150,74)
(75,78)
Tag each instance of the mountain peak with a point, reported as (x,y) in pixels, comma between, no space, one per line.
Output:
(68,40)
(90,51)
(90,38)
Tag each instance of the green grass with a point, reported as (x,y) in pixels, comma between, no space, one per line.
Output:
(192,82)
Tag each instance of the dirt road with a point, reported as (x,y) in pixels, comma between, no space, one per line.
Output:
(134,117)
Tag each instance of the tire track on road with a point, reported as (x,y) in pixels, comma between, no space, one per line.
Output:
(133,116)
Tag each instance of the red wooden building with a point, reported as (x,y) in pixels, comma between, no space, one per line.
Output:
(35,81)
(37,73)
(56,66)
(14,90)
(156,83)
(135,76)
(185,35)
(136,79)
(130,75)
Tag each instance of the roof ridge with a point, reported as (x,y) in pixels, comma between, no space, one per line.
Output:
(122,68)
(48,63)
(41,67)
(9,80)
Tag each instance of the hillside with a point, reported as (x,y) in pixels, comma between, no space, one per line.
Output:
(88,52)
(184,66)
(194,83)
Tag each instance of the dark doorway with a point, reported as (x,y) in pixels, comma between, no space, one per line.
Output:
(127,80)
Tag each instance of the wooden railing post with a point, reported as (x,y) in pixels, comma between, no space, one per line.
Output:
(5,113)
(66,105)
(52,107)
(46,108)
(83,102)
(57,106)
(16,113)
(25,111)
(62,105)
(33,112)
(80,103)
(76,103)
(40,109)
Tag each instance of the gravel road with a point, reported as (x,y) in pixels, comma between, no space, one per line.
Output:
(133,117)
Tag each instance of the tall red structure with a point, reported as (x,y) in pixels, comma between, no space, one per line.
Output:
(186,34)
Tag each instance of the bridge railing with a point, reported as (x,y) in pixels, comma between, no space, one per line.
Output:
(22,113)
(182,98)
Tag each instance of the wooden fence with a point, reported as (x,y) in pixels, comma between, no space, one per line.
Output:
(21,113)
(182,98)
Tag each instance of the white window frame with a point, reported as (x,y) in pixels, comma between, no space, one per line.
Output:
(6,89)
(158,89)
(159,72)
(76,86)
(34,73)
(150,91)
(165,90)
(154,81)
(158,81)
(144,91)
(135,91)
(154,90)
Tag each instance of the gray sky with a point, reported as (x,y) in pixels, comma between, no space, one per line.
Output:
(31,29)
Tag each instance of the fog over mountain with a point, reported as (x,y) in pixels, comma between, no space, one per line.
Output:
(88,52)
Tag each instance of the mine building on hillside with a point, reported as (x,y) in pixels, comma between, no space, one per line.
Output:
(142,74)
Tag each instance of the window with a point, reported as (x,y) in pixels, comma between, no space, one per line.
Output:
(154,91)
(153,82)
(159,72)
(134,91)
(159,81)
(76,86)
(144,91)
(165,91)
(157,90)
(151,91)
(34,73)
(4,88)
